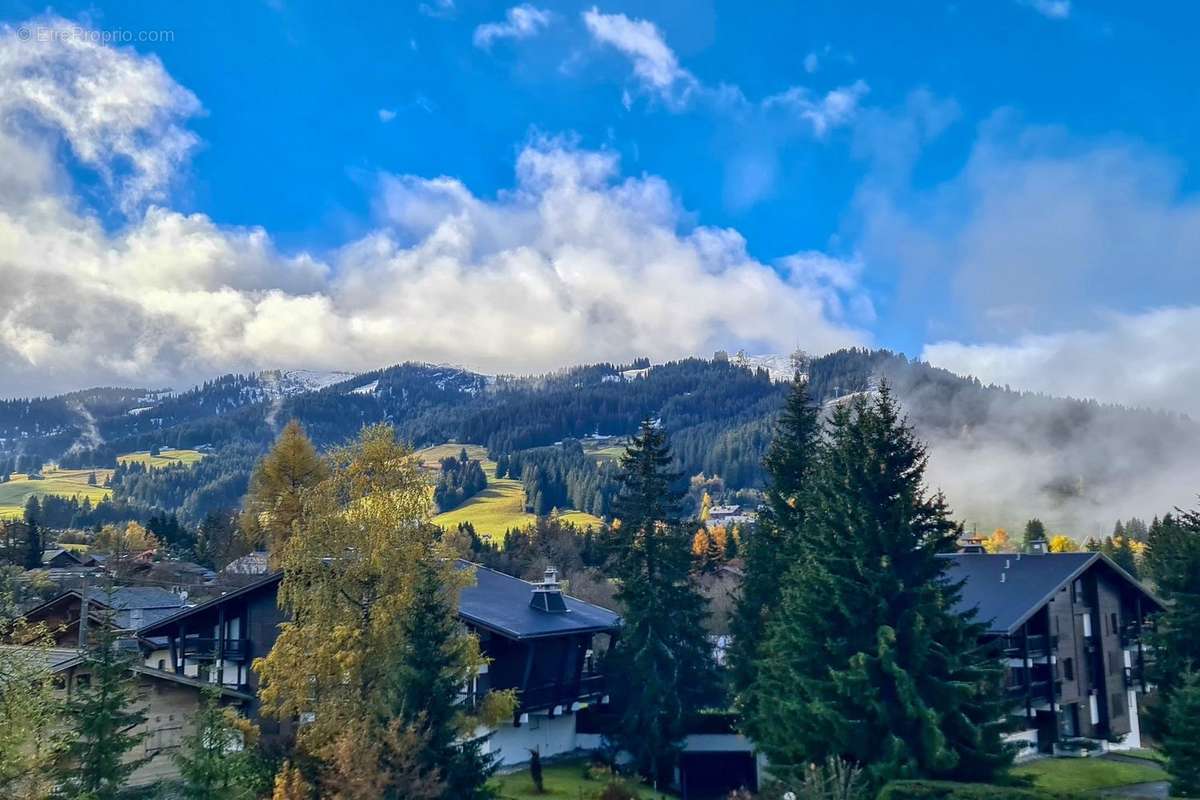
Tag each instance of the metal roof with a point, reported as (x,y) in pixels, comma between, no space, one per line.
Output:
(496,602)
(1030,581)
(500,603)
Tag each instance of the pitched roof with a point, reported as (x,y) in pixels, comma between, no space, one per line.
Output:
(496,601)
(1030,581)
(162,624)
(500,603)
(54,659)
(135,606)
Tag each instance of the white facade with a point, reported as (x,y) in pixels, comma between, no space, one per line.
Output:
(550,736)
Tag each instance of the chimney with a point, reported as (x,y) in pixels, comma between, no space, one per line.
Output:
(547,595)
(1038,547)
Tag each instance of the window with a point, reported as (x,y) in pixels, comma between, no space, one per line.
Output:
(1116,627)
(83,681)
(1116,705)
(162,664)
(1068,669)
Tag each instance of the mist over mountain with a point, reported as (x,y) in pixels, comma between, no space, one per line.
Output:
(1001,456)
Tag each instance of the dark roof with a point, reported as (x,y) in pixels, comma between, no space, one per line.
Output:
(496,601)
(135,606)
(500,603)
(1030,581)
(50,555)
(161,625)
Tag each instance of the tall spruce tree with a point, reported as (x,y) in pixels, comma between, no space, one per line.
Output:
(1182,742)
(662,668)
(1173,560)
(770,549)
(435,664)
(102,717)
(866,658)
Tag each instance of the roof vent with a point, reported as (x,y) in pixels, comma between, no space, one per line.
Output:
(547,595)
(1003,577)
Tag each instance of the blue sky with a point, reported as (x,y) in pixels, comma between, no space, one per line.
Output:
(1004,187)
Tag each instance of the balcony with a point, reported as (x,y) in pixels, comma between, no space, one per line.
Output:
(1039,644)
(1038,689)
(547,696)
(201,649)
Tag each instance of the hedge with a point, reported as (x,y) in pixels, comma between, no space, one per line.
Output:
(946,790)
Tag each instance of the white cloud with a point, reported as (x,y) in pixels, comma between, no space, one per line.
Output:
(438,9)
(573,263)
(834,110)
(812,62)
(1052,9)
(387,114)
(120,113)
(520,22)
(654,62)
(1141,359)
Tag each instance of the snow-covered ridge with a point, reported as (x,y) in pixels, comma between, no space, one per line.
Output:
(290,382)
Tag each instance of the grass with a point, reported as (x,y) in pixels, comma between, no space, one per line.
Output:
(562,780)
(497,508)
(1146,753)
(63,482)
(165,458)
(1085,774)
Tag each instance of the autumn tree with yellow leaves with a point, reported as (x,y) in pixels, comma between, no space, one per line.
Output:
(279,486)
(367,583)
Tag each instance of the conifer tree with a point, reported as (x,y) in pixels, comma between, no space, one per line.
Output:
(1182,743)
(437,660)
(217,760)
(770,549)
(866,658)
(1173,560)
(1035,531)
(102,719)
(662,671)
(275,500)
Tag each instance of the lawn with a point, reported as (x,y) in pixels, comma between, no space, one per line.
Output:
(1086,774)
(165,458)
(64,482)
(563,780)
(497,508)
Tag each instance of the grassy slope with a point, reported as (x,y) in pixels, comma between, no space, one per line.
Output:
(1086,774)
(498,507)
(564,780)
(69,482)
(64,482)
(165,458)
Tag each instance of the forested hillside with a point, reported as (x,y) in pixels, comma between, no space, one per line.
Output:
(1000,455)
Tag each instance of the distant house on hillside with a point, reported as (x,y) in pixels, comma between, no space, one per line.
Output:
(730,515)
(126,608)
(538,640)
(59,558)
(1072,627)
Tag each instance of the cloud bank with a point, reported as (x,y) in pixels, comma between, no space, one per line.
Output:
(574,262)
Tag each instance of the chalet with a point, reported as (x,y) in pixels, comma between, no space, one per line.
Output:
(60,558)
(126,607)
(1071,628)
(540,642)
(169,701)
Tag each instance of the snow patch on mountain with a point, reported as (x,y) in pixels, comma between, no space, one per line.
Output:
(290,382)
